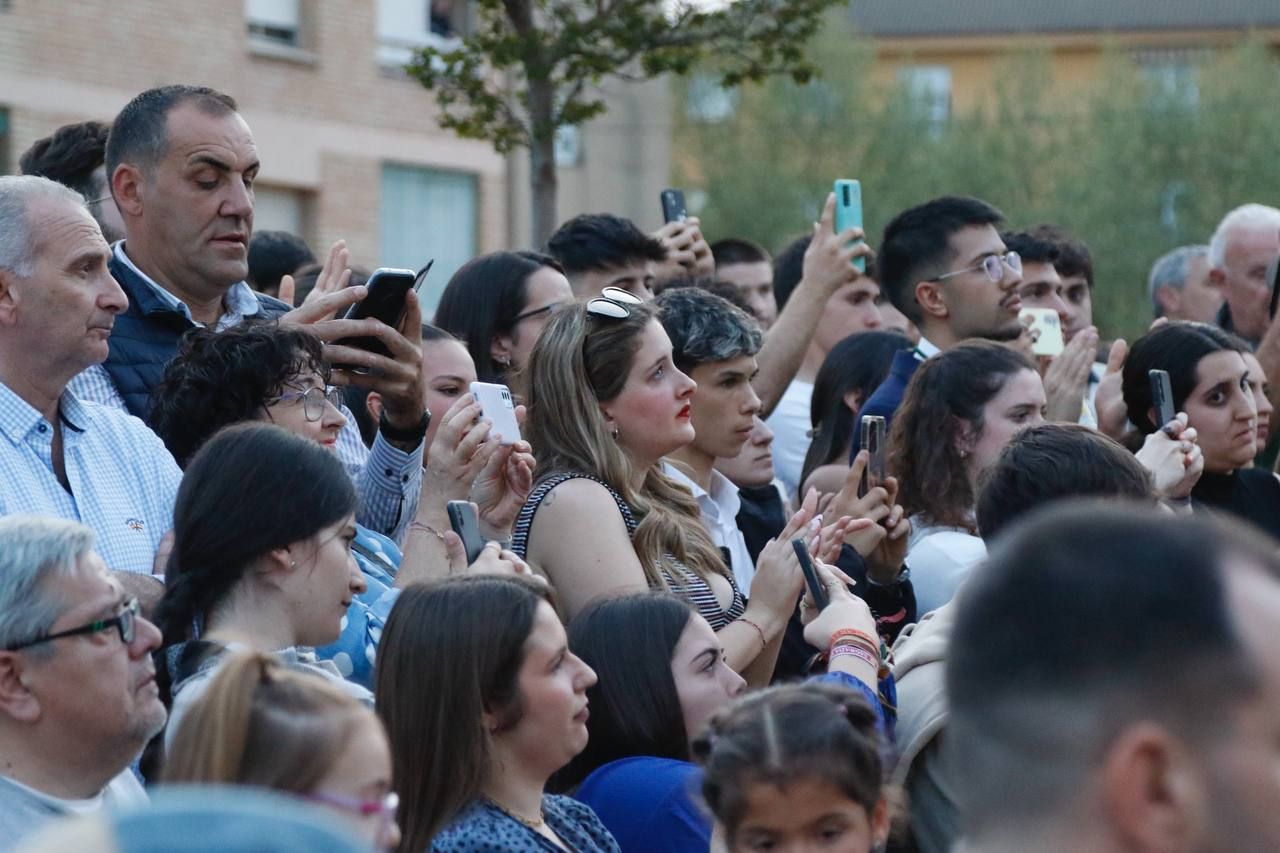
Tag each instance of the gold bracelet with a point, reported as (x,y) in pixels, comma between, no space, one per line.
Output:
(764,644)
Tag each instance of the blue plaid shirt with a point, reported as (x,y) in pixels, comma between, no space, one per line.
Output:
(122,480)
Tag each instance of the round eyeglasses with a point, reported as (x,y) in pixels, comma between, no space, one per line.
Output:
(992,265)
(313,400)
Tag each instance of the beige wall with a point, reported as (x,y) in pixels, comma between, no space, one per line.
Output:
(325,117)
(1075,57)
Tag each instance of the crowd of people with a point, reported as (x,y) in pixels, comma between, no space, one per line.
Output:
(709,614)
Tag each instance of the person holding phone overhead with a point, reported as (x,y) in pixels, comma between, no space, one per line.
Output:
(606,404)
(1210,380)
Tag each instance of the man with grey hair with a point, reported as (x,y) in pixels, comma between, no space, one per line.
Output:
(1179,286)
(60,455)
(78,696)
(1244,244)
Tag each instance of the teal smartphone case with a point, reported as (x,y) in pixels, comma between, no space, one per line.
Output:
(849,211)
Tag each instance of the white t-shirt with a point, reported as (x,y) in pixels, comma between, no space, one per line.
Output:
(791,424)
(24,810)
(719,509)
(940,558)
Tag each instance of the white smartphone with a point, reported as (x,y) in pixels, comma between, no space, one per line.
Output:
(497,404)
(1045,321)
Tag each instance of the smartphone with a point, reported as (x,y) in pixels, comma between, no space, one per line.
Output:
(673,207)
(384,302)
(1161,397)
(462,518)
(1046,321)
(816,588)
(497,404)
(849,211)
(872,441)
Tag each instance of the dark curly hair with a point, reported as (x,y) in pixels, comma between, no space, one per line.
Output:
(222,378)
(70,156)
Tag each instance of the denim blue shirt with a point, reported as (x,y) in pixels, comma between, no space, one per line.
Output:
(355,651)
(483,826)
(122,480)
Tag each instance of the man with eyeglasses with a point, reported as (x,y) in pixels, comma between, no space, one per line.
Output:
(181,165)
(60,455)
(78,698)
(944,266)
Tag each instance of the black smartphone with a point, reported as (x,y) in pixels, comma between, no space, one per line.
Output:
(1161,397)
(462,518)
(673,207)
(872,441)
(384,302)
(816,588)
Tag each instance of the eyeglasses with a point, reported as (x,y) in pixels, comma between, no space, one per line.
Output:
(123,623)
(384,809)
(551,308)
(93,201)
(313,400)
(614,303)
(991,265)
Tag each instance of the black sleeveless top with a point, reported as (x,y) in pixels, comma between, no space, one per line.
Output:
(679,578)
(1251,493)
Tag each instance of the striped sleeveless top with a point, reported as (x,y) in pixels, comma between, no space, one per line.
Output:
(680,579)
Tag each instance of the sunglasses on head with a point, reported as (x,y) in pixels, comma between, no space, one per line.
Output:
(613,303)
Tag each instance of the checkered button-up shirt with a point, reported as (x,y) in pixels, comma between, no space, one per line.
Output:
(122,480)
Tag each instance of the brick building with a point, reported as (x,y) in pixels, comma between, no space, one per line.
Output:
(349,144)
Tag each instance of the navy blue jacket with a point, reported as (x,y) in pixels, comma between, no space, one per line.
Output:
(146,335)
(886,399)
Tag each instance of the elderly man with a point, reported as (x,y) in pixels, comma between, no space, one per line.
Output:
(1244,244)
(1180,288)
(78,697)
(1115,686)
(182,163)
(60,455)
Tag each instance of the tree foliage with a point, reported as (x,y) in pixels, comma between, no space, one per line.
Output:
(1132,168)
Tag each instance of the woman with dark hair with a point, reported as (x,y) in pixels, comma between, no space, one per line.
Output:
(498,304)
(264,725)
(798,767)
(1211,384)
(852,371)
(960,411)
(662,675)
(606,405)
(263,526)
(483,701)
(277,374)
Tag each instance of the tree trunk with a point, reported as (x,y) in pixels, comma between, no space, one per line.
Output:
(543,183)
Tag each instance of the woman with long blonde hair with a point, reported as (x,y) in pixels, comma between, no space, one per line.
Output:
(263,724)
(606,404)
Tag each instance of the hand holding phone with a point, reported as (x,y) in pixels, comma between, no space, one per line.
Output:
(849,211)
(817,590)
(1161,398)
(872,441)
(463,520)
(673,206)
(497,404)
(385,302)
(1046,331)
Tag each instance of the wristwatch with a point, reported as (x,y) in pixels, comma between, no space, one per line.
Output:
(415,433)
